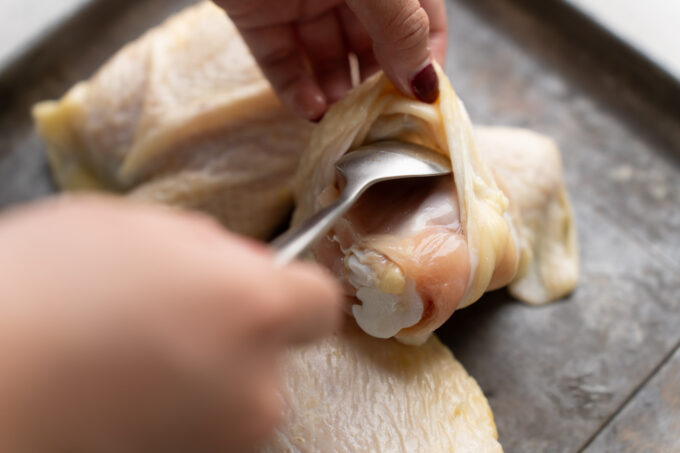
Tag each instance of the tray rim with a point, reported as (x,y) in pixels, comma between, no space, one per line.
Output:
(656,82)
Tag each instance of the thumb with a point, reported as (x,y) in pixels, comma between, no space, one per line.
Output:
(400,30)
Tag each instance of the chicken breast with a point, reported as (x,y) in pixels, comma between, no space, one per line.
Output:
(357,394)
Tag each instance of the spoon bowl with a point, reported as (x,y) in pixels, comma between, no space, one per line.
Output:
(380,161)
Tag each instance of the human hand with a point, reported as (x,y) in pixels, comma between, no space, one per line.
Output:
(133,328)
(399,36)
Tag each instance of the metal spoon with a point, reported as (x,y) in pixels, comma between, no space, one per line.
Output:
(361,168)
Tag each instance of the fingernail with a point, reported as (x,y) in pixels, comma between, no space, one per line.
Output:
(308,105)
(425,84)
(318,119)
(316,107)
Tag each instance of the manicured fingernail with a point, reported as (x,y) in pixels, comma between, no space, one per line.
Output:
(425,84)
(318,119)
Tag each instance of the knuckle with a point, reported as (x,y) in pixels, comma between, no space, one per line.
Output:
(244,14)
(409,28)
(252,14)
(277,55)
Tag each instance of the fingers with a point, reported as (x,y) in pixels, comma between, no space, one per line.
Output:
(239,285)
(233,277)
(436,11)
(401,36)
(400,31)
(324,44)
(277,305)
(280,56)
(358,41)
(276,50)
(307,305)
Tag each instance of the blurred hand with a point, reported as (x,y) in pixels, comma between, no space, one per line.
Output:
(133,328)
(399,36)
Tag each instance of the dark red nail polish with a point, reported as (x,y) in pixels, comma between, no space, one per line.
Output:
(425,85)
(318,119)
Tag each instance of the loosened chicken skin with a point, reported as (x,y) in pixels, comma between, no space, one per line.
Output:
(410,253)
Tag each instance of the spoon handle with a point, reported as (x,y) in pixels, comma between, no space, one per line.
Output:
(295,241)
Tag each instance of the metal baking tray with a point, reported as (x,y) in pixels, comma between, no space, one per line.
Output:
(565,377)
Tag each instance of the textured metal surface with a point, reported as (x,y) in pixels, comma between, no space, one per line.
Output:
(651,422)
(559,378)
(556,375)
(64,58)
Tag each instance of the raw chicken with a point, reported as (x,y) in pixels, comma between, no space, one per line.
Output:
(181,116)
(411,253)
(353,393)
(528,168)
(184,117)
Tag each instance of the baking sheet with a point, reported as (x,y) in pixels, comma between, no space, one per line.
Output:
(558,377)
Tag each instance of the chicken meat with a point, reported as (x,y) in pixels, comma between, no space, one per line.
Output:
(182,116)
(411,253)
(353,393)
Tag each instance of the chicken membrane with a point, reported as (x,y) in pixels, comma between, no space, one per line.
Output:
(399,249)
(412,252)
